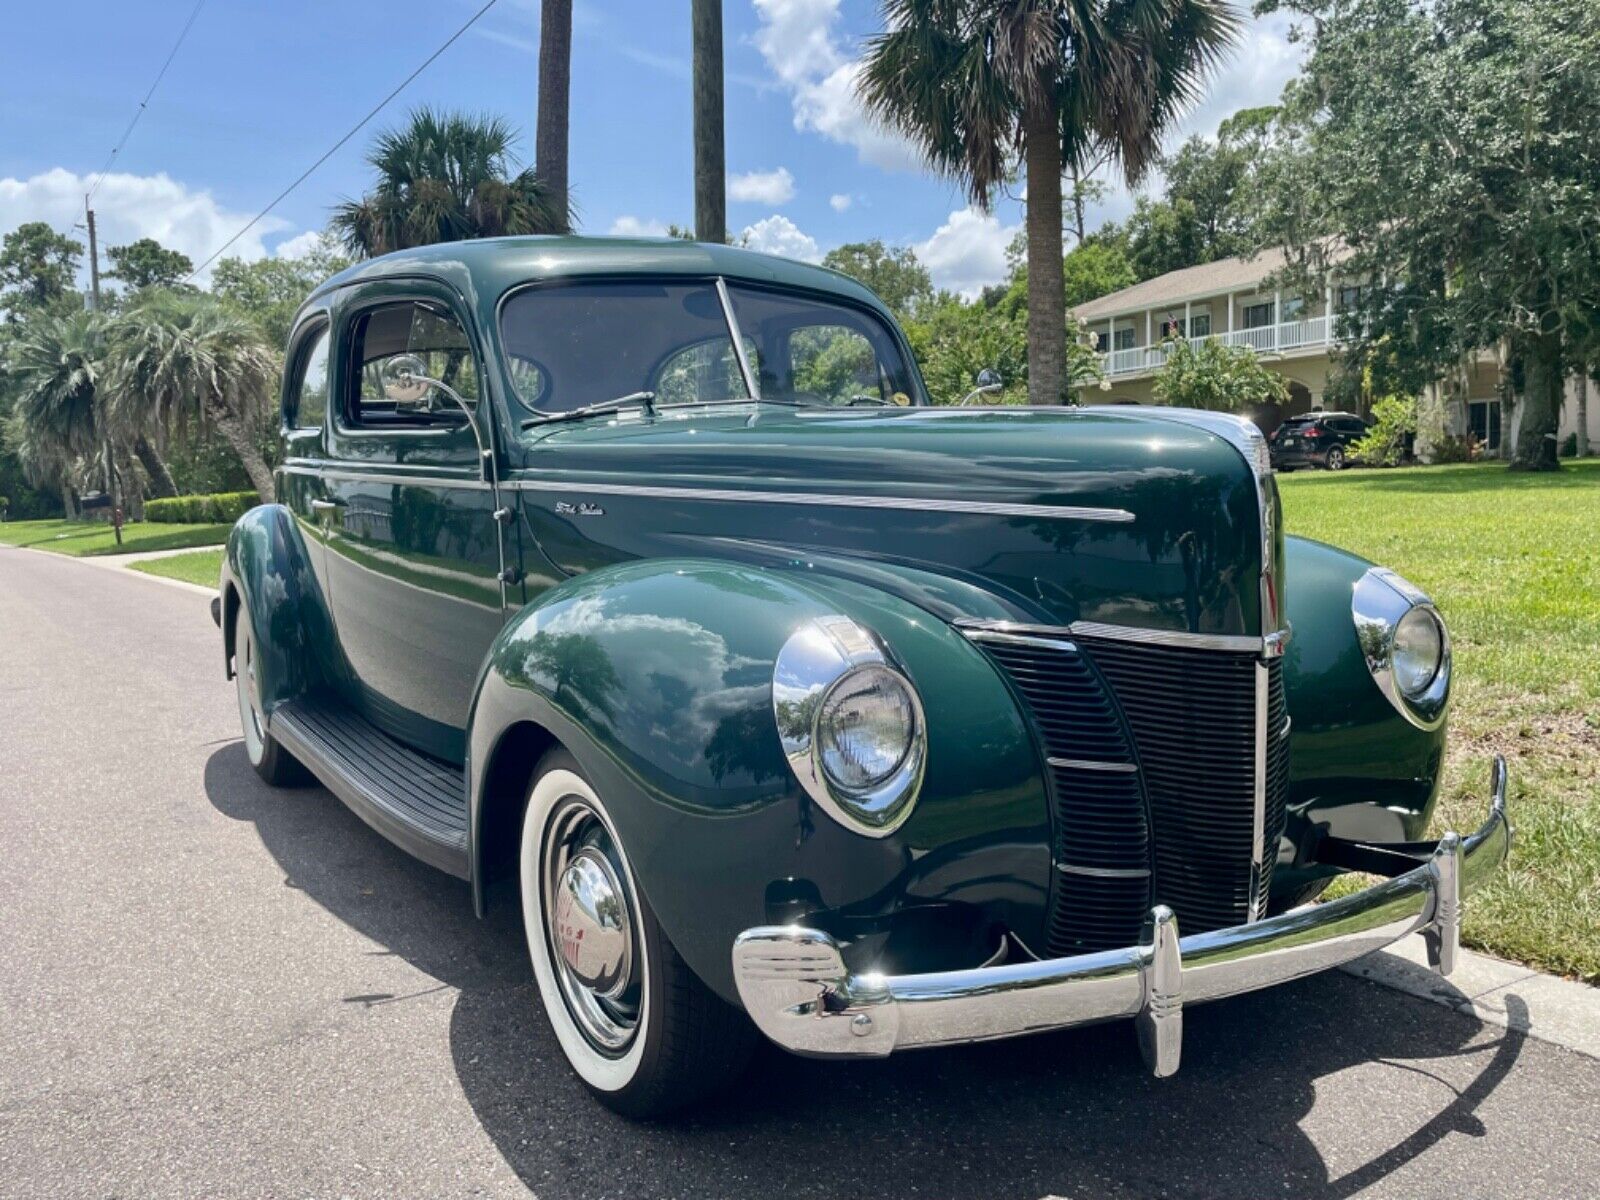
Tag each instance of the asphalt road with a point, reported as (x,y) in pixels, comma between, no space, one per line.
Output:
(211,989)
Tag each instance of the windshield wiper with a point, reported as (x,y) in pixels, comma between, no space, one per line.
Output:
(644,401)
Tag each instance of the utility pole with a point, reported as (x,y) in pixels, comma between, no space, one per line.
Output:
(94,259)
(710,167)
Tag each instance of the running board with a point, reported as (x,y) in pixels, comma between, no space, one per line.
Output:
(417,802)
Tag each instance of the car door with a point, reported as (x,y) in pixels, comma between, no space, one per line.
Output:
(414,550)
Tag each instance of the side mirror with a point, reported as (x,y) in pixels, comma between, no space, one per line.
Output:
(405,381)
(988,381)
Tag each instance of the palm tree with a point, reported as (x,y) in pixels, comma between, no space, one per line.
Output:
(175,358)
(555,88)
(445,177)
(710,166)
(980,84)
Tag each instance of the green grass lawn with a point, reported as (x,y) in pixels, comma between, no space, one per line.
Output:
(203,567)
(83,538)
(1513,562)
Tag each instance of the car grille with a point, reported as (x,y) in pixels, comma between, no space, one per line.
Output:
(1152,772)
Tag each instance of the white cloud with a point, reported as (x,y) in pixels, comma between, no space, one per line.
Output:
(968,252)
(840,201)
(762,187)
(779,235)
(129,207)
(797,38)
(638,227)
(298,246)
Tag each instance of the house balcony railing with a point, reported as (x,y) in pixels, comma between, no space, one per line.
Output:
(1265,339)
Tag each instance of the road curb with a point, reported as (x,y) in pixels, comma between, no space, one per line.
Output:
(1551,1009)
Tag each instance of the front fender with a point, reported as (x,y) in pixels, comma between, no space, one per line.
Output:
(1357,768)
(657,677)
(267,567)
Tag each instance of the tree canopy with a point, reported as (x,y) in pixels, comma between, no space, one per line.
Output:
(1451,148)
(445,177)
(146,263)
(893,273)
(38,267)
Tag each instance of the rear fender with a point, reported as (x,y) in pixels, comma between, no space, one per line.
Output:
(657,677)
(266,568)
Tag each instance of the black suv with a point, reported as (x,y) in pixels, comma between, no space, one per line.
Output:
(1316,439)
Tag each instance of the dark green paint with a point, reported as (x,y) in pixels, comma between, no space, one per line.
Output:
(642,636)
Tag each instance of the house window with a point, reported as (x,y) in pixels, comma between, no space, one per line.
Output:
(1294,309)
(1483,419)
(1200,325)
(1258,316)
(1122,339)
(1350,297)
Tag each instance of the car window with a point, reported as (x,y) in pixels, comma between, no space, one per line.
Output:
(815,351)
(568,345)
(426,331)
(308,397)
(705,371)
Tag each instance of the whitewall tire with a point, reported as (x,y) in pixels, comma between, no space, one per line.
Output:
(641,1031)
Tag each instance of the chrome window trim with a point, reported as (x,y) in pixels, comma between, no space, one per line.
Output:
(1230,643)
(392,477)
(827,500)
(817,658)
(1378,601)
(751,384)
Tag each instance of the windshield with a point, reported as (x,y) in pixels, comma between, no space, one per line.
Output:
(577,344)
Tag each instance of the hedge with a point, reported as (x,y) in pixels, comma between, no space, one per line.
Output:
(220,507)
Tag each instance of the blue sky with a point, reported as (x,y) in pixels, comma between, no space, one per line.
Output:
(258,91)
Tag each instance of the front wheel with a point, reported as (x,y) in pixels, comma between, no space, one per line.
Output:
(1336,459)
(639,1028)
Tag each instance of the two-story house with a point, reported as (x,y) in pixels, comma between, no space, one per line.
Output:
(1235,300)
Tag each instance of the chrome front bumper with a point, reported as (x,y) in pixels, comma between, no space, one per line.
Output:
(796,988)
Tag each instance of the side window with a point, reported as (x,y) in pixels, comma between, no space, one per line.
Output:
(705,371)
(425,331)
(835,364)
(308,398)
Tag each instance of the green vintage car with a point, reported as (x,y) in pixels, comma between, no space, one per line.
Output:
(644,580)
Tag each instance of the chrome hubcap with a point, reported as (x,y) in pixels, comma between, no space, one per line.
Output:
(590,924)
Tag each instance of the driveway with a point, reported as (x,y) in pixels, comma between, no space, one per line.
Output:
(214,989)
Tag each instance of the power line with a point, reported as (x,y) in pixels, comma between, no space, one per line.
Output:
(333,149)
(139,112)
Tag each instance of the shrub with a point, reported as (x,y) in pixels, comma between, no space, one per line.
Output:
(1394,419)
(1569,448)
(219,508)
(1451,449)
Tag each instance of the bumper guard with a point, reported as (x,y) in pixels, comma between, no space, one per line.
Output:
(795,986)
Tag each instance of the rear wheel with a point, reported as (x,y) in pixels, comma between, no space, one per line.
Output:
(639,1028)
(270,760)
(1336,458)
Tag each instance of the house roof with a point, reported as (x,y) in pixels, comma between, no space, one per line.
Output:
(1191,283)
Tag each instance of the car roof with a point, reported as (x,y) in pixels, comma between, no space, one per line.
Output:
(495,264)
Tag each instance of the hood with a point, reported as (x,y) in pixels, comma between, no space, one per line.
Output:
(1106,515)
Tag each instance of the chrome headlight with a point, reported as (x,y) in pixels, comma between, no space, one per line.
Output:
(851,725)
(1406,646)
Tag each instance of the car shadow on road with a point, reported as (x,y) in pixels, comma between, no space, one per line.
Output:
(1066,1114)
